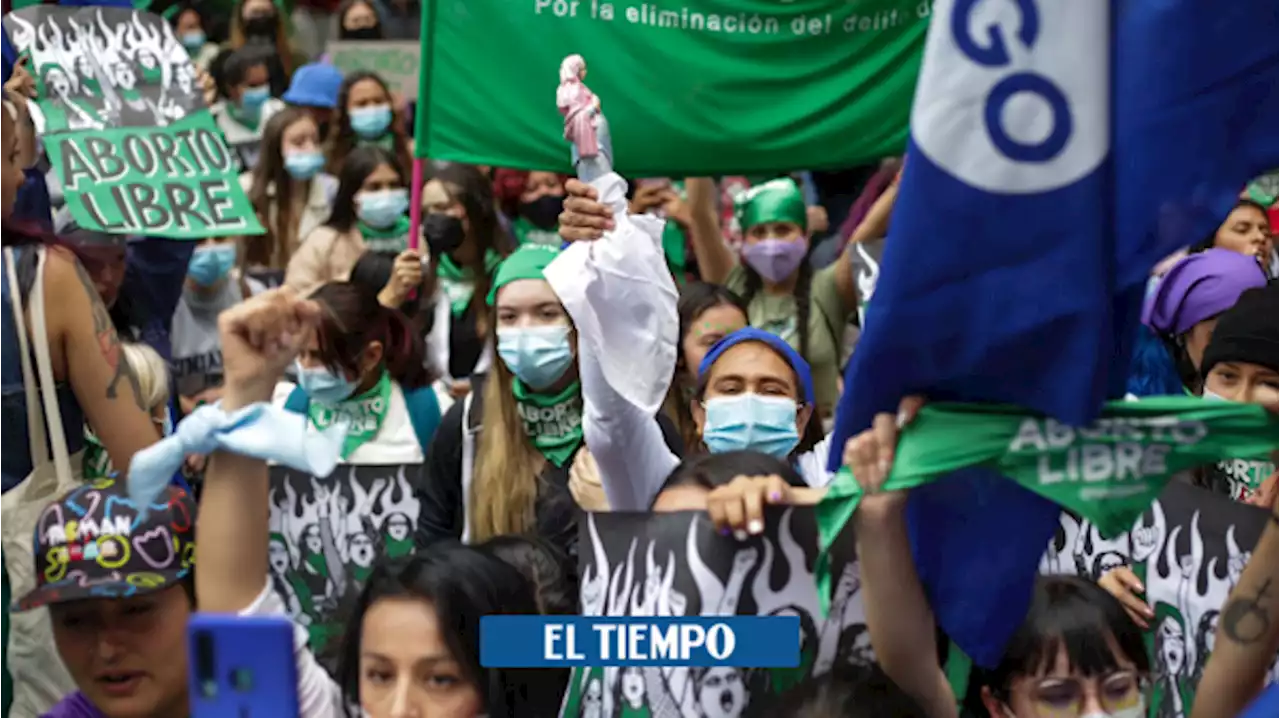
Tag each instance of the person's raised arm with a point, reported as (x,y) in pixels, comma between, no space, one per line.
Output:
(259,337)
(103,382)
(899,618)
(715,259)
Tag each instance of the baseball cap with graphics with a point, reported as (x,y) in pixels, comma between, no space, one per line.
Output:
(95,543)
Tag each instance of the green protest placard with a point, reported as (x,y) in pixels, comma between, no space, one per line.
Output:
(124,123)
(395,61)
(697,87)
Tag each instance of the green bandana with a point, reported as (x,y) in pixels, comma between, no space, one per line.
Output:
(392,240)
(527,233)
(458,283)
(554,423)
(1109,472)
(365,412)
(778,200)
(527,262)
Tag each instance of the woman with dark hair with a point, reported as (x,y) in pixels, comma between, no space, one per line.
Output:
(362,365)
(708,313)
(370,212)
(367,117)
(289,193)
(412,642)
(1246,230)
(358,20)
(461,229)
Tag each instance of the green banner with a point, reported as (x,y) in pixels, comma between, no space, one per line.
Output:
(395,61)
(123,121)
(702,87)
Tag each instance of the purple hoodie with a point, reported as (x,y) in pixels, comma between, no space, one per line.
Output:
(74,706)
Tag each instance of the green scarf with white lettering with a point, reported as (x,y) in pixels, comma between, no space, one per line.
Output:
(553,422)
(365,412)
(391,240)
(459,283)
(1108,472)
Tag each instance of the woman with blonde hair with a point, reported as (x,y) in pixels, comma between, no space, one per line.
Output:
(501,460)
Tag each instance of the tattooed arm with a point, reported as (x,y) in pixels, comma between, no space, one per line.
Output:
(103,382)
(1246,641)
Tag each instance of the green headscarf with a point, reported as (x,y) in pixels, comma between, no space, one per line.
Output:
(777,200)
(527,262)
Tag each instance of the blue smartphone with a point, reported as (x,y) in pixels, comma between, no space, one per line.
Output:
(241,666)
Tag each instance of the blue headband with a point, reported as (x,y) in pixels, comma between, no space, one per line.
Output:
(775,342)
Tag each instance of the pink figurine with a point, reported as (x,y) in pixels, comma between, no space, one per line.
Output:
(584,125)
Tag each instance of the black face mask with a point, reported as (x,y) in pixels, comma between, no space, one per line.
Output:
(443,233)
(263,26)
(543,212)
(362,33)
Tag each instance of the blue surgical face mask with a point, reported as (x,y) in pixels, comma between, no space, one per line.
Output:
(193,40)
(323,386)
(253,98)
(303,165)
(538,356)
(749,421)
(370,123)
(383,208)
(211,264)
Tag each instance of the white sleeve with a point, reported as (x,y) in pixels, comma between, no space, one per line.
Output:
(622,299)
(318,694)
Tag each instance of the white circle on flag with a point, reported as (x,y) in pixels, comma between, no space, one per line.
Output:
(1022,120)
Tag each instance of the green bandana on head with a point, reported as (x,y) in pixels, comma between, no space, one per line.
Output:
(1108,472)
(527,262)
(365,412)
(553,422)
(777,200)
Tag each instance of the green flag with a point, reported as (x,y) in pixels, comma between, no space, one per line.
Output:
(123,120)
(1108,472)
(703,87)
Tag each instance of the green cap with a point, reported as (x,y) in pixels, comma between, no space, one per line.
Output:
(527,262)
(778,200)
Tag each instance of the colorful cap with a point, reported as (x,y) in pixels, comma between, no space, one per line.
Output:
(775,342)
(1199,287)
(777,200)
(95,543)
(314,85)
(527,262)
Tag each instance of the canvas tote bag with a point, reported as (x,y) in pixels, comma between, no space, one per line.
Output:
(39,678)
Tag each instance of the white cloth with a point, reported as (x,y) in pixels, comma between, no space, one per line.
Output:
(318,695)
(622,299)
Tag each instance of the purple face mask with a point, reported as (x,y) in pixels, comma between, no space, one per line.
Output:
(775,259)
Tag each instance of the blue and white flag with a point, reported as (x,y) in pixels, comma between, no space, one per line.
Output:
(1058,150)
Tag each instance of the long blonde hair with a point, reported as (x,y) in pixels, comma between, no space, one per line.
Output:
(508,469)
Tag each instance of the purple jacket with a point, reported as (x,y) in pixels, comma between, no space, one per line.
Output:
(74,706)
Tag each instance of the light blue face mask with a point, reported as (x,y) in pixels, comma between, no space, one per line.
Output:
(323,386)
(303,165)
(211,264)
(538,356)
(253,98)
(370,123)
(193,40)
(749,421)
(383,208)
